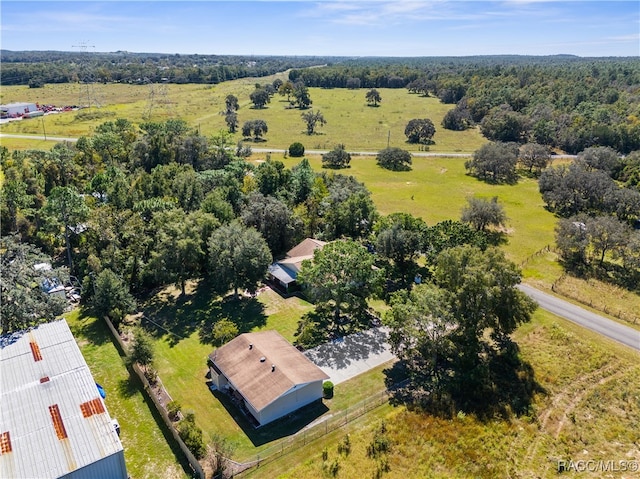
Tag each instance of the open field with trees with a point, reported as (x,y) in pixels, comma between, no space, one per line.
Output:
(170,224)
(147,452)
(349,119)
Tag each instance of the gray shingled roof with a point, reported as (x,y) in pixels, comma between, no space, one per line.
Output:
(262,382)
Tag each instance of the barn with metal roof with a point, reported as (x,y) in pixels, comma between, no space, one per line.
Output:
(53,422)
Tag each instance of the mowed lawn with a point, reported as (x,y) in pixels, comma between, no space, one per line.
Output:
(147,453)
(350,120)
(181,361)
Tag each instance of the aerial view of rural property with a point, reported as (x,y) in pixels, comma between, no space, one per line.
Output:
(309,239)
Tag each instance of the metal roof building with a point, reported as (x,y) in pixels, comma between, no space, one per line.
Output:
(17,109)
(53,422)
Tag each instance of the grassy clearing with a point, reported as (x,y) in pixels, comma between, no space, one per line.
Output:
(437,189)
(349,119)
(180,358)
(146,451)
(588,411)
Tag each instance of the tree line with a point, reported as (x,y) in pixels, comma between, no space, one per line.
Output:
(568,103)
(36,68)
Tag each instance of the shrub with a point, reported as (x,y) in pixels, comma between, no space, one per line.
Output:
(173,409)
(380,443)
(192,435)
(142,351)
(327,389)
(332,467)
(151,374)
(336,158)
(296,150)
(344,446)
(395,159)
(223,331)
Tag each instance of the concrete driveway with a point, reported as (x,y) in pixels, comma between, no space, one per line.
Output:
(347,357)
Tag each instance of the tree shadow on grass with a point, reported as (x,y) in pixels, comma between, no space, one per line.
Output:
(127,388)
(91,328)
(283,427)
(509,388)
(175,316)
(501,387)
(246,313)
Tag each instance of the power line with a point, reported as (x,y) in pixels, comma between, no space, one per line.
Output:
(86,76)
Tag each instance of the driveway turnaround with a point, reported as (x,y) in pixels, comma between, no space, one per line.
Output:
(355,354)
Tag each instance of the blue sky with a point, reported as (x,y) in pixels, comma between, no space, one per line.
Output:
(330,27)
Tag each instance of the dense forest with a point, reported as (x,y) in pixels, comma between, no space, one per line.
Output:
(36,68)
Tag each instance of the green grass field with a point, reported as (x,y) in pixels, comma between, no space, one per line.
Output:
(349,119)
(591,383)
(181,358)
(147,453)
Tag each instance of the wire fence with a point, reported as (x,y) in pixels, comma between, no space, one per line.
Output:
(316,431)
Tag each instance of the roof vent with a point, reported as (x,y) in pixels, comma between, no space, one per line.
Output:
(250,345)
(263,359)
(273,367)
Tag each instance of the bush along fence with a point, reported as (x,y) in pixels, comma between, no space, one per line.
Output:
(149,391)
(316,431)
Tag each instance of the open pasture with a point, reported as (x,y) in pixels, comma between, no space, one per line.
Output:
(350,120)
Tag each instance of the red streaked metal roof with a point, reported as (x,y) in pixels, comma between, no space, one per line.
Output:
(5,443)
(58,423)
(45,427)
(35,350)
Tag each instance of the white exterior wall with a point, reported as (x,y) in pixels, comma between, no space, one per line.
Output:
(218,379)
(20,108)
(111,467)
(294,399)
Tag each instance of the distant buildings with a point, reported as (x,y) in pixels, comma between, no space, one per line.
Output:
(53,422)
(14,110)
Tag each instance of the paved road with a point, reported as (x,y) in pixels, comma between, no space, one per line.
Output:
(607,327)
(422,154)
(37,137)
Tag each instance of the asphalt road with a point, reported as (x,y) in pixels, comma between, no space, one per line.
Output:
(37,137)
(425,154)
(604,326)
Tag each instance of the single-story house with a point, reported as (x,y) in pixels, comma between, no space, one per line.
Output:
(53,419)
(283,273)
(267,374)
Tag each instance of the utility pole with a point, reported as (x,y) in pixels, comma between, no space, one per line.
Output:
(83,74)
(43,130)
